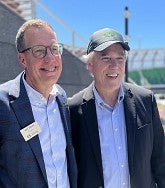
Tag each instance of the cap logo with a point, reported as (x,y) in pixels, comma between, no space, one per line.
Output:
(110,34)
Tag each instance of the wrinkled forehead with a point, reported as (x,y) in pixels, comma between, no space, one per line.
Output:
(39,29)
(40,35)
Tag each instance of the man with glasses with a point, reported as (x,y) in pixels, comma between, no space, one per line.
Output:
(35,142)
(117,133)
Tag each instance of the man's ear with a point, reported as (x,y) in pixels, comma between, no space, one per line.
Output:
(90,66)
(22,60)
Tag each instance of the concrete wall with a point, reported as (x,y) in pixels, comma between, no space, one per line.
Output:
(9,24)
(74,76)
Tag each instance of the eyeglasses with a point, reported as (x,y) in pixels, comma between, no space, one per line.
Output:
(40,51)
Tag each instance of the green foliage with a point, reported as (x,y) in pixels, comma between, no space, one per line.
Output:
(153,76)
(134,75)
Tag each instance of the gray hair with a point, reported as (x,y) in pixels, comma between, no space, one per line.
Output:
(20,41)
(89,57)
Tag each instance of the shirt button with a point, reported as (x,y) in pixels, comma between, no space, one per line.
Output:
(124,184)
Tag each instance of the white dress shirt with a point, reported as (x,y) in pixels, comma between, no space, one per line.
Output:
(52,137)
(113,142)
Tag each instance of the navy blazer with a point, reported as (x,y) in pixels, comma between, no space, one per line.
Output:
(21,162)
(145,139)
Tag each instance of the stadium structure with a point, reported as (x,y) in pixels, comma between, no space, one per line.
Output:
(138,59)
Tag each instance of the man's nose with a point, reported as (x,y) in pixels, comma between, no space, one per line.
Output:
(113,62)
(49,53)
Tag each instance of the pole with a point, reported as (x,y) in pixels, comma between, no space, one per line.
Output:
(60,21)
(127,39)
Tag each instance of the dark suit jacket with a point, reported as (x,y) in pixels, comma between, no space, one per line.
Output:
(21,162)
(145,139)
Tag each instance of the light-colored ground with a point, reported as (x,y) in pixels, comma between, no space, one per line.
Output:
(161,108)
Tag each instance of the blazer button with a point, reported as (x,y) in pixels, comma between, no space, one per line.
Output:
(100,187)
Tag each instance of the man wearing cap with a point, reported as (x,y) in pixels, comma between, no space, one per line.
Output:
(117,132)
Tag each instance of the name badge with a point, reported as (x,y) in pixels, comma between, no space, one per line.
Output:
(30,131)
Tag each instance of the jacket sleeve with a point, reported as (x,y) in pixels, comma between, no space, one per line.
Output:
(158,154)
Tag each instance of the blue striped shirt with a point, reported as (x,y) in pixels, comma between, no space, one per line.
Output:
(113,141)
(52,137)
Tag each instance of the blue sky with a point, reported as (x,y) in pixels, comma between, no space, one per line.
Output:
(146,24)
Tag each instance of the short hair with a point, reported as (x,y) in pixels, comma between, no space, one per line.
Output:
(20,41)
(89,57)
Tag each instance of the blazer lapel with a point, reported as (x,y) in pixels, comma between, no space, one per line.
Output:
(22,109)
(71,161)
(89,111)
(130,118)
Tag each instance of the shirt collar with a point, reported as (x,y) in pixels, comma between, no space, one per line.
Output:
(100,101)
(36,97)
